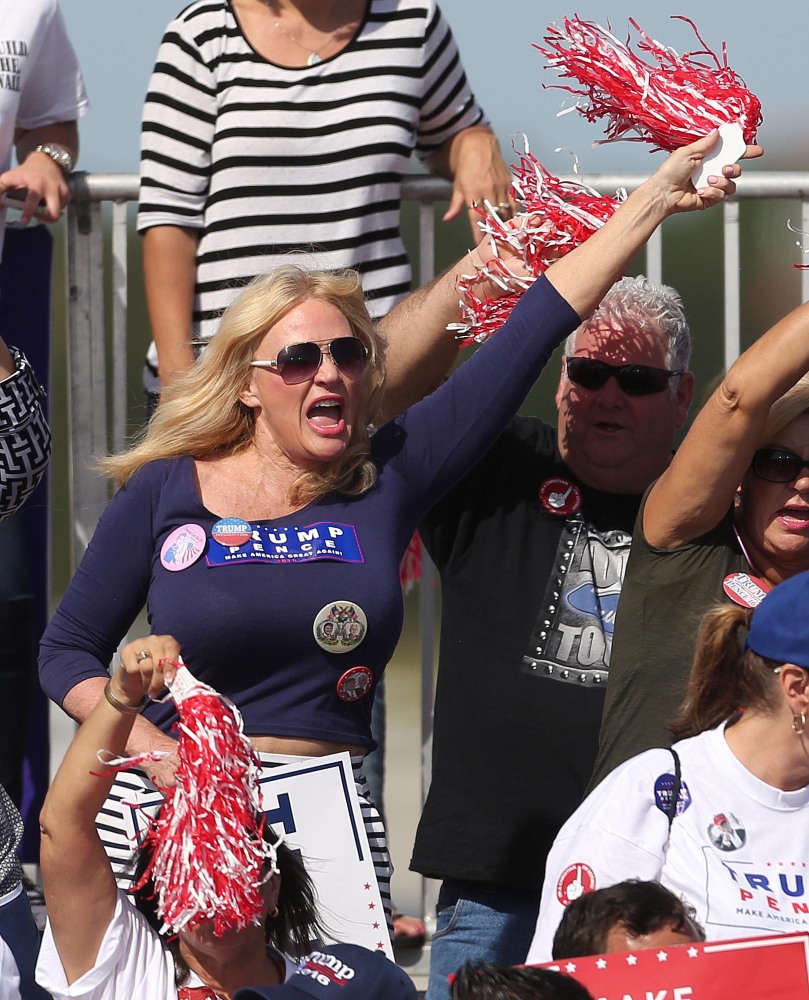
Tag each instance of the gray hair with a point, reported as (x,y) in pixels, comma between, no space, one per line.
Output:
(640,303)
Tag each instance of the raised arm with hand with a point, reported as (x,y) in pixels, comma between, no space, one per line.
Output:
(80,890)
(144,735)
(584,275)
(421,351)
(697,489)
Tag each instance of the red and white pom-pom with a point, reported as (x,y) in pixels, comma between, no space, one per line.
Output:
(556,217)
(208,854)
(670,102)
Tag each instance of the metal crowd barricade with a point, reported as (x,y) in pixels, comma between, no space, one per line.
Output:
(98,403)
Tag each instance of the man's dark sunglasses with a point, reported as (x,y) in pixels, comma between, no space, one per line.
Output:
(634,380)
(299,362)
(777,465)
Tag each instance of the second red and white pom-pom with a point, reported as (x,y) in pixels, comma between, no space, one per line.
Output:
(557,216)
(669,102)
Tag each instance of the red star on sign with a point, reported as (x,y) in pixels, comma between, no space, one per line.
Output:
(367,886)
(376,925)
(372,906)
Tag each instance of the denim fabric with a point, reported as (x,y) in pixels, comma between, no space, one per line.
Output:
(479,922)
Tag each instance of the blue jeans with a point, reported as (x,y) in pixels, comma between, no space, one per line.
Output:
(478,921)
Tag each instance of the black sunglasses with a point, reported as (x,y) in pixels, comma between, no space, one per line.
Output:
(299,362)
(634,380)
(777,465)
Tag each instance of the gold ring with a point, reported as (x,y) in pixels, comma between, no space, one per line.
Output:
(503,205)
(142,654)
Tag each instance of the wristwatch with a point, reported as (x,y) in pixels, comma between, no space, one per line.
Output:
(60,156)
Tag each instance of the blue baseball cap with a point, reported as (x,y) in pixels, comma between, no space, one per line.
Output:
(780,626)
(344,972)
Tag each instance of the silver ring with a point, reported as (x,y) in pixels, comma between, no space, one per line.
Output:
(142,654)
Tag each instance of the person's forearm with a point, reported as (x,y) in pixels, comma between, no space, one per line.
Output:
(420,348)
(446,159)
(584,276)
(82,699)
(62,133)
(169,269)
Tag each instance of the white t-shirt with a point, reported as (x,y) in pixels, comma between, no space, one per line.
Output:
(738,850)
(40,79)
(9,974)
(132,962)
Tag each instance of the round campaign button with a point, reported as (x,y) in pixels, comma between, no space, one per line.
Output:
(749,591)
(183,547)
(355,684)
(232,531)
(340,626)
(560,497)
(574,881)
(726,832)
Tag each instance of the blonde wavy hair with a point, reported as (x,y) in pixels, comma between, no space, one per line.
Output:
(205,418)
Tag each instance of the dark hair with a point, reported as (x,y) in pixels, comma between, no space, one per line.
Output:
(724,676)
(484,981)
(640,907)
(292,930)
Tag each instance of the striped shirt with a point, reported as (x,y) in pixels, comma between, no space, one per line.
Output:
(267,161)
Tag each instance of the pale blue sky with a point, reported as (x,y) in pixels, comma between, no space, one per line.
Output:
(767,45)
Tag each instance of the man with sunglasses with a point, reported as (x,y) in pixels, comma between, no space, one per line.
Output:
(531,547)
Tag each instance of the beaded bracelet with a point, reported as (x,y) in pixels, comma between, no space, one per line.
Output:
(119,706)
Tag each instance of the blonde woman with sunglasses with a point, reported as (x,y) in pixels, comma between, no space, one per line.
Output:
(263,526)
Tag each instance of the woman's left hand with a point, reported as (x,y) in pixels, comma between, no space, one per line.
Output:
(674,176)
(146,665)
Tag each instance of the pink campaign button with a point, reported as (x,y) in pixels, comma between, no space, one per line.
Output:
(183,547)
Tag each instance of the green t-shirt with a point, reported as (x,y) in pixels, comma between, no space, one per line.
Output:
(663,598)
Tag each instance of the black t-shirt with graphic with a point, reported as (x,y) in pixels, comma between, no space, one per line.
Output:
(529,591)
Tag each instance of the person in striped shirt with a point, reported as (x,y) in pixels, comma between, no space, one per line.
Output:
(285,127)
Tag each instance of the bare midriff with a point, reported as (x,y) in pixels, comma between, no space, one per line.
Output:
(296,747)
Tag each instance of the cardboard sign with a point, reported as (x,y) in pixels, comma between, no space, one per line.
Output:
(314,803)
(764,968)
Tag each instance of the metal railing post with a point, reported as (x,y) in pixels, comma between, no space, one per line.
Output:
(87,397)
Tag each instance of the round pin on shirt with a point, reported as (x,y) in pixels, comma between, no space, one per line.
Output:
(748,591)
(355,684)
(183,547)
(339,626)
(560,497)
(232,532)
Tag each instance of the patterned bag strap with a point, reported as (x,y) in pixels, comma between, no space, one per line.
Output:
(671,812)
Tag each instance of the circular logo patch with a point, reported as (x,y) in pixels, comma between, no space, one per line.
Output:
(340,626)
(355,684)
(183,547)
(232,532)
(574,881)
(749,591)
(560,497)
(726,832)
